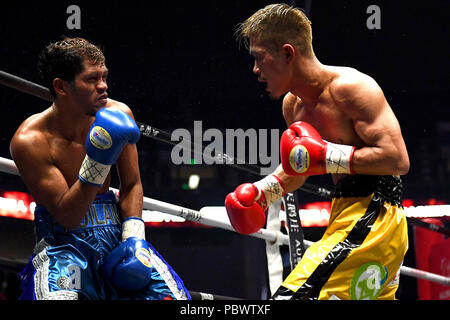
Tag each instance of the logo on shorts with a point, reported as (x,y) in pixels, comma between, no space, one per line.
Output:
(72,280)
(299,159)
(100,138)
(64,283)
(143,256)
(368,281)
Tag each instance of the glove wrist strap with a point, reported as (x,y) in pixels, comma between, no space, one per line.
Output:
(93,172)
(133,227)
(271,188)
(339,158)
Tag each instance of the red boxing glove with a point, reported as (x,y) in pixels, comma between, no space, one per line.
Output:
(246,206)
(303,152)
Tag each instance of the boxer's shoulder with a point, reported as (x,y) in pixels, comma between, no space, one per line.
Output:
(32,134)
(349,83)
(114,104)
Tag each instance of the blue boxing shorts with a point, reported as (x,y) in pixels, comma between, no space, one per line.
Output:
(66,264)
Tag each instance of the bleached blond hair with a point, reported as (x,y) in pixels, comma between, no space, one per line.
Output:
(275,25)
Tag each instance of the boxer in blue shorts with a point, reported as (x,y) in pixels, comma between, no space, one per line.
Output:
(90,243)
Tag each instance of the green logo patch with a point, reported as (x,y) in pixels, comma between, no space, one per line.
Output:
(368,281)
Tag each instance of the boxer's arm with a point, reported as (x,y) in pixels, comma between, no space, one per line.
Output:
(31,154)
(130,190)
(290,183)
(374,122)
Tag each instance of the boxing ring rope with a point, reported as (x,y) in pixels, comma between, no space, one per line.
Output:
(217,217)
(210,216)
(25,86)
(8,166)
(148,131)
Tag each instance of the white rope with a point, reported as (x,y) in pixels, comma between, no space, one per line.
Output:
(8,166)
(215,217)
(415,273)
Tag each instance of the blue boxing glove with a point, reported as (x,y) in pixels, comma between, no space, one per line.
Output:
(111,131)
(129,266)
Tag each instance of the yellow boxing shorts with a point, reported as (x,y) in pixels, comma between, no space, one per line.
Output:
(362,249)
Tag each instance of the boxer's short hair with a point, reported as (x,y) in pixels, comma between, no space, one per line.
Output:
(64,59)
(275,25)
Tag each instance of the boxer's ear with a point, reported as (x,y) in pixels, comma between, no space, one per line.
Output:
(288,52)
(58,86)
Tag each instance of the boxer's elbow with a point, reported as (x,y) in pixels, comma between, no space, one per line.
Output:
(403,167)
(400,163)
(67,216)
(66,219)
(380,161)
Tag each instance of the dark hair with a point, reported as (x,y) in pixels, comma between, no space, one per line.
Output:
(64,59)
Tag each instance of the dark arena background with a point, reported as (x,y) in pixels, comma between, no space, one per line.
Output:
(176,62)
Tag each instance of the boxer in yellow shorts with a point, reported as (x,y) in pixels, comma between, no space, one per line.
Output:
(360,254)
(340,123)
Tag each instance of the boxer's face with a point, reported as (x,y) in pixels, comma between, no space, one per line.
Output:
(270,68)
(90,87)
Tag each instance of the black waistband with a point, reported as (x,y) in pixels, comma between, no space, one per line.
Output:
(388,187)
